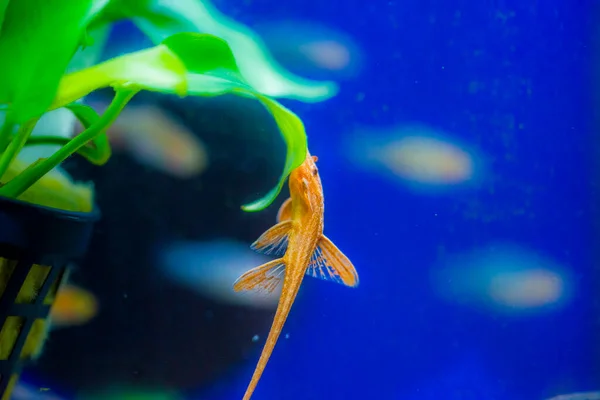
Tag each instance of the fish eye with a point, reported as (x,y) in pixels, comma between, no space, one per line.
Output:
(315,171)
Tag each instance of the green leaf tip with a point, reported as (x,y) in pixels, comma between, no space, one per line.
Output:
(266,201)
(292,130)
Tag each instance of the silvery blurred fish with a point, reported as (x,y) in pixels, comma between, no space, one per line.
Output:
(503,277)
(211,267)
(577,396)
(311,48)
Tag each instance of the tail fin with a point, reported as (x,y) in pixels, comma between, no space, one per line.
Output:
(266,277)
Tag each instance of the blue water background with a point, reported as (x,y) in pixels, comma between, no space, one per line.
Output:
(392,338)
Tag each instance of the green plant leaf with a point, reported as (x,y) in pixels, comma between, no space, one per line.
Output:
(3,5)
(292,129)
(85,114)
(156,69)
(38,39)
(159,19)
(188,64)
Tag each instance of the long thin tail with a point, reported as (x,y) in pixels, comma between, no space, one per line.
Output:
(288,295)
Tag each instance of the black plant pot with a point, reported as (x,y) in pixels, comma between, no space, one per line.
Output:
(36,246)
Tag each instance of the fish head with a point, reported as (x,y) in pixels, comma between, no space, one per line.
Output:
(305,183)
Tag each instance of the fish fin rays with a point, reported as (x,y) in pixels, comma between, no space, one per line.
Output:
(265,278)
(285,211)
(330,264)
(274,241)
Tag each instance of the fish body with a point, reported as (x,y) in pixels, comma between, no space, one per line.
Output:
(73,306)
(298,240)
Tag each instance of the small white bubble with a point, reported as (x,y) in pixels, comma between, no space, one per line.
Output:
(287,335)
(255,338)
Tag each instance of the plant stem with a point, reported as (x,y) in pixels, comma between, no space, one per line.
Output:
(6,132)
(16,145)
(29,176)
(97,155)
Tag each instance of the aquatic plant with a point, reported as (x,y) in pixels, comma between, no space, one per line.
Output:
(159,19)
(40,37)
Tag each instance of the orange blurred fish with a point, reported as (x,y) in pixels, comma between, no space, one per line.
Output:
(157,140)
(425,159)
(298,238)
(73,306)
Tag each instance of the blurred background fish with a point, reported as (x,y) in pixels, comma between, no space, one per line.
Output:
(73,306)
(157,140)
(577,396)
(211,267)
(27,391)
(423,158)
(503,277)
(312,49)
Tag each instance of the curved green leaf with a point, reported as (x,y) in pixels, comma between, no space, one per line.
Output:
(39,38)
(156,69)
(160,19)
(292,129)
(98,150)
(85,114)
(188,64)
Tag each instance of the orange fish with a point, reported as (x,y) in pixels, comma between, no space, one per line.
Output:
(73,306)
(298,239)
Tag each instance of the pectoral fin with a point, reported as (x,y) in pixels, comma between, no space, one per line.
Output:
(275,240)
(330,264)
(285,211)
(265,278)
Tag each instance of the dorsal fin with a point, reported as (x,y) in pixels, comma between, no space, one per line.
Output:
(285,211)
